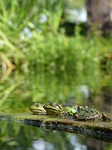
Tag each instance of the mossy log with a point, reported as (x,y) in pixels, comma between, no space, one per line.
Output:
(99,130)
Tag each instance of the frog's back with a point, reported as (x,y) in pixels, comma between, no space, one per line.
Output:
(82,112)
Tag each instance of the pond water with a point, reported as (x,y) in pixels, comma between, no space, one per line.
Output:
(20,90)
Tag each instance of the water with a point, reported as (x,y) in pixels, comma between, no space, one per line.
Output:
(15,136)
(18,91)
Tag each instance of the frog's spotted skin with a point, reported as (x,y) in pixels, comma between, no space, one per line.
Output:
(76,111)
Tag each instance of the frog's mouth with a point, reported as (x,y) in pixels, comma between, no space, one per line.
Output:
(37,110)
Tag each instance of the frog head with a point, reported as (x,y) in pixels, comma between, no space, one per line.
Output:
(37,108)
(53,109)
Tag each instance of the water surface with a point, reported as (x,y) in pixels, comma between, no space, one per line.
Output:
(18,91)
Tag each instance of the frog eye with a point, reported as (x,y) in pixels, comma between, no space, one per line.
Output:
(52,103)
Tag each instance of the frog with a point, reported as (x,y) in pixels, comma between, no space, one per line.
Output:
(75,111)
(37,108)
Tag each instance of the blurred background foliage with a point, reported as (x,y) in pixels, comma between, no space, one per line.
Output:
(30,36)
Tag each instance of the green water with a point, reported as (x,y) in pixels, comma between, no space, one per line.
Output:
(18,91)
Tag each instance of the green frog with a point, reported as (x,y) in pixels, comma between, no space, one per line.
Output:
(77,112)
(37,108)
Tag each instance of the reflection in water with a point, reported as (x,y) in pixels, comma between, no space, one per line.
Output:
(21,90)
(7,67)
(77,143)
(95,145)
(40,144)
(15,136)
